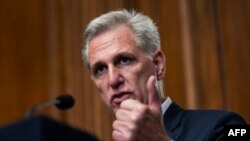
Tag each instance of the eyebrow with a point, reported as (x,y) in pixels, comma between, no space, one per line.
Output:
(124,54)
(96,64)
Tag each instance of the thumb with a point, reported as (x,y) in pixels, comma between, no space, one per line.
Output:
(154,101)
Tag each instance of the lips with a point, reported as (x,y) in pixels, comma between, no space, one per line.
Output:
(117,99)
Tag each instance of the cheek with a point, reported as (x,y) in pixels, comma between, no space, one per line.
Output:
(103,92)
(100,85)
(143,72)
(104,99)
(139,77)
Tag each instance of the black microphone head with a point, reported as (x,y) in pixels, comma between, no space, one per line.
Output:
(65,102)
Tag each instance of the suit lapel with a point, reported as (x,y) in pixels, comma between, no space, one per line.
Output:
(172,120)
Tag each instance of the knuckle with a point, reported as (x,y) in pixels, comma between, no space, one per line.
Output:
(115,135)
(115,123)
(126,102)
(132,127)
(142,109)
(134,117)
(117,113)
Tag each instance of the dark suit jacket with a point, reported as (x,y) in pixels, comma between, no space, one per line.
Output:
(197,125)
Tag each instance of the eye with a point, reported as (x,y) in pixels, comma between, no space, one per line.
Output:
(124,60)
(99,70)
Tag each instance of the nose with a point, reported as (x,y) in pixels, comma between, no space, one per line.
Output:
(115,78)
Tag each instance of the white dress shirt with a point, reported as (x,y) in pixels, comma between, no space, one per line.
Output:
(165,105)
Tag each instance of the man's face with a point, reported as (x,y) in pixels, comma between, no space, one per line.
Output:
(119,68)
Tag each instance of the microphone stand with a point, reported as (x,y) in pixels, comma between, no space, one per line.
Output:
(29,113)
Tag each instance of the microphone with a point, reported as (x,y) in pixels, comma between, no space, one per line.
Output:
(62,102)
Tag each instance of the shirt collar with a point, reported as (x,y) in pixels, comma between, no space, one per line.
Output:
(165,105)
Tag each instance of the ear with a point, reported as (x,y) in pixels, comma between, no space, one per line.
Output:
(159,62)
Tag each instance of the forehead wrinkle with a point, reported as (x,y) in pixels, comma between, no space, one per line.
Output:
(122,37)
(98,48)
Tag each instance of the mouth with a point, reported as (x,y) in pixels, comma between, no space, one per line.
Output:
(117,99)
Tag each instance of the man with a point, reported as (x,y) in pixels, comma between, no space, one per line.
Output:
(122,52)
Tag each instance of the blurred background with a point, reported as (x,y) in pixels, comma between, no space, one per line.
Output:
(206,43)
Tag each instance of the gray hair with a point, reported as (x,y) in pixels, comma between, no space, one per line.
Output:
(145,31)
